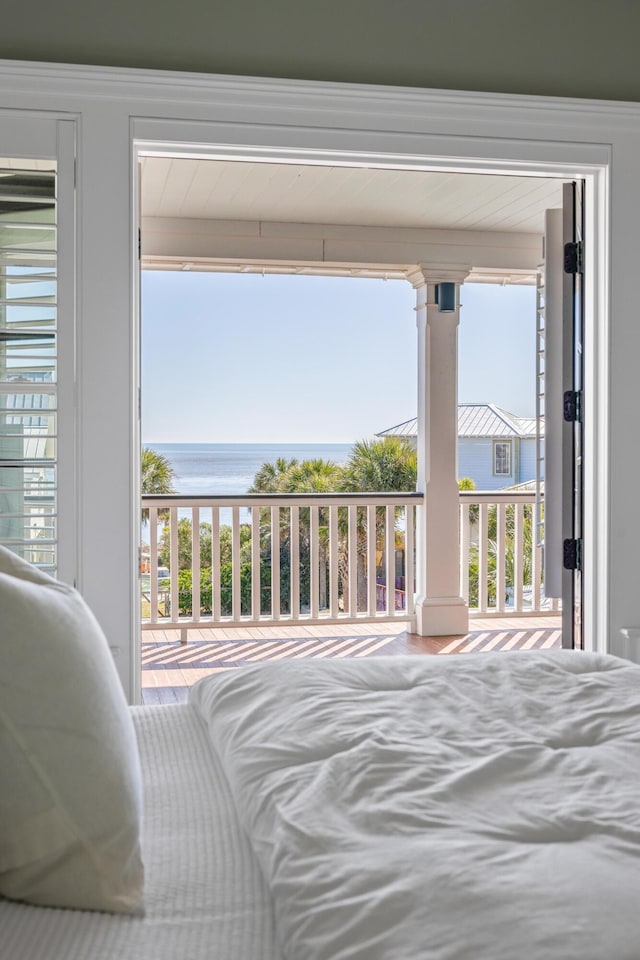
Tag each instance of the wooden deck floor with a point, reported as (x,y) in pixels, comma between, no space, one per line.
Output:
(169,667)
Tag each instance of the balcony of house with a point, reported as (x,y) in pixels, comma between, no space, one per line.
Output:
(229,581)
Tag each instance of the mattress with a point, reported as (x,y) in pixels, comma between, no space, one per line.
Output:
(426,808)
(205,898)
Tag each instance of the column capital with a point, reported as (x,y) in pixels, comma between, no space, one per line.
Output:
(424,273)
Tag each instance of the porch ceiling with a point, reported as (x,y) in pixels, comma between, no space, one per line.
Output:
(235,190)
(220,214)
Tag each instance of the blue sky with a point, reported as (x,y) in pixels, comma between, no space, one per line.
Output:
(252,359)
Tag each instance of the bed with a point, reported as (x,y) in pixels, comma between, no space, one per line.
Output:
(204,897)
(458,808)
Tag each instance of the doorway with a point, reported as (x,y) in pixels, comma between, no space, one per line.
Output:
(246,242)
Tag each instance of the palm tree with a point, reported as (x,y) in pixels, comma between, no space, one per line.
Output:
(384,465)
(387,464)
(292,476)
(156,476)
(271,476)
(156,472)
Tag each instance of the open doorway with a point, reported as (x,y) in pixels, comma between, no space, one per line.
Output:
(180,234)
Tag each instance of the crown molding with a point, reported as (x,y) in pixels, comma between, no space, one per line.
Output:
(135,84)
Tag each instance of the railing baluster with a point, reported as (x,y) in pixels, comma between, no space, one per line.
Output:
(236,583)
(294,537)
(275,563)
(501,550)
(353,561)
(518,557)
(173,562)
(465,543)
(334,559)
(216,598)
(256,610)
(390,557)
(536,567)
(409,559)
(195,565)
(314,560)
(153,564)
(372,593)
(483,557)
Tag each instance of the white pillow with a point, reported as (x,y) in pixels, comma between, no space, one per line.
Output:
(70,783)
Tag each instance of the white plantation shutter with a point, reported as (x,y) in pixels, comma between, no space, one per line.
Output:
(28,360)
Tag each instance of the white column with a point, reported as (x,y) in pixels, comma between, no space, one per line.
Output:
(440,610)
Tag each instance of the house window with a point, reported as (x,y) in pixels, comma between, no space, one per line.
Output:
(502,459)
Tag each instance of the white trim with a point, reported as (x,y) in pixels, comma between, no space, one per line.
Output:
(134,652)
(68,481)
(509,445)
(250,118)
(597,529)
(127,84)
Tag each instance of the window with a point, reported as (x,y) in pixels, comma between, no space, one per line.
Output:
(28,367)
(502,459)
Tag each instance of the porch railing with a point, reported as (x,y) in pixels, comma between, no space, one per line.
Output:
(267,559)
(264,559)
(500,559)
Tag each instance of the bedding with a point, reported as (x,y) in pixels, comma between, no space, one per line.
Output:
(407,808)
(70,784)
(205,898)
(423,808)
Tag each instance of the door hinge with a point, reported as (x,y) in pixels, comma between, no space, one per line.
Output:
(572,554)
(573,257)
(572,406)
(139,244)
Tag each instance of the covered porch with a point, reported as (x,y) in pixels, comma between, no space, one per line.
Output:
(323,591)
(460,554)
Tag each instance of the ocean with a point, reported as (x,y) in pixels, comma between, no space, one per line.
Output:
(213,469)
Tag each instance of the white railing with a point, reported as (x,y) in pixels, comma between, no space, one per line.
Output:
(211,560)
(500,560)
(270,558)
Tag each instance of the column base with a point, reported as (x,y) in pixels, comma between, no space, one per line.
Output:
(441,616)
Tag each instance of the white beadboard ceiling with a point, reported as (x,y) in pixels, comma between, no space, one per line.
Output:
(243,190)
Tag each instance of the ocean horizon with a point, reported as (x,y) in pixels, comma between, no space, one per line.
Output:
(214,469)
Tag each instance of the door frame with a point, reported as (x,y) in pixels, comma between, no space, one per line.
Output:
(356,124)
(175,139)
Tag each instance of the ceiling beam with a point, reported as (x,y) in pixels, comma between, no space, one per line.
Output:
(334,249)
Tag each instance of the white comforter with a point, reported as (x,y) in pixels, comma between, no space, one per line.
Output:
(459,808)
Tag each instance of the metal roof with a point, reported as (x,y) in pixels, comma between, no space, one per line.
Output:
(475,420)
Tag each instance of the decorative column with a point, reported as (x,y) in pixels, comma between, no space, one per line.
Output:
(440,609)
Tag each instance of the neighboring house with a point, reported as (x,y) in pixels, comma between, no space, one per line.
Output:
(495,448)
